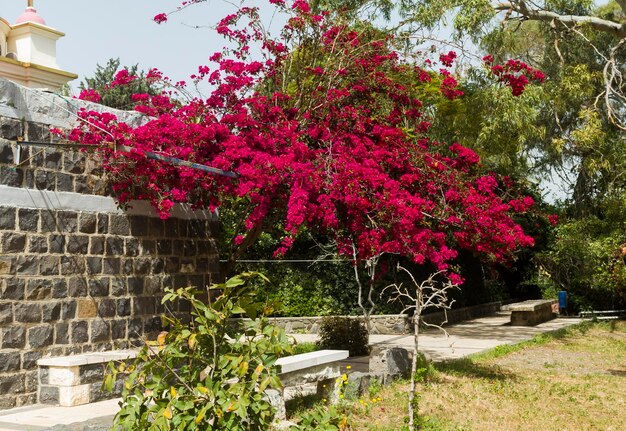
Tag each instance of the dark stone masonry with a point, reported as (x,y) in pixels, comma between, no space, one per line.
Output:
(77,274)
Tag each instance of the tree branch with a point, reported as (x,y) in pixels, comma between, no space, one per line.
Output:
(596,23)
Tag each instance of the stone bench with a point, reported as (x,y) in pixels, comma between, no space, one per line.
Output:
(74,380)
(532,312)
(320,367)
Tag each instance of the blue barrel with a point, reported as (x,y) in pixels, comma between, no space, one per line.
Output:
(562,299)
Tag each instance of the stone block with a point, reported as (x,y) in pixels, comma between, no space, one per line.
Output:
(59,288)
(114,247)
(11,176)
(64,182)
(27,265)
(132,247)
(164,247)
(111,266)
(7,218)
(40,336)
(37,244)
(118,287)
(158,265)
(64,376)
(28,219)
(106,307)
(8,401)
(99,287)
(123,307)
(68,221)
(31,381)
(48,394)
(94,265)
(13,242)
(44,180)
(68,310)
(49,265)
(27,312)
(13,337)
(74,163)
(119,225)
(138,226)
(78,244)
(392,362)
(12,384)
(48,221)
(86,308)
(77,287)
(9,362)
(51,312)
(91,373)
(103,224)
(96,245)
(357,385)
(79,332)
(118,329)
(38,289)
(12,288)
(6,153)
(29,359)
(56,244)
(73,264)
(143,306)
(142,266)
(100,331)
(61,333)
(87,223)
(156,227)
(148,247)
(6,313)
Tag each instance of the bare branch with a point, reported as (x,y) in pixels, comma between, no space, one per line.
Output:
(603,25)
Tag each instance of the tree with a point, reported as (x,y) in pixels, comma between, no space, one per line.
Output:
(326,134)
(115,87)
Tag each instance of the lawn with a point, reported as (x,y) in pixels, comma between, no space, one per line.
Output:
(569,380)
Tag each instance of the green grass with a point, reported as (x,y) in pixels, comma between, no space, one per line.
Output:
(569,379)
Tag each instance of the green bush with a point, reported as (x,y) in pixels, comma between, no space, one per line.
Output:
(206,374)
(344,333)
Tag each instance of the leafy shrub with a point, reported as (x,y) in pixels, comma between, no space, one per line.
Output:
(205,374)
(323,418)
(344,333)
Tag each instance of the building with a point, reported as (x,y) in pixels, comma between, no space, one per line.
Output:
(28,52)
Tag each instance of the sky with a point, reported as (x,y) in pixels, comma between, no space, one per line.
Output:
(96,31)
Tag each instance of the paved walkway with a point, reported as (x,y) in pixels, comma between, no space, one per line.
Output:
(464,339)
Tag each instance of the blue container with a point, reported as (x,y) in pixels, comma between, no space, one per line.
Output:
(562,299)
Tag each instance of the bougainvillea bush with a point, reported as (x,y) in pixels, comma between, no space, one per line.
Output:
(325,126)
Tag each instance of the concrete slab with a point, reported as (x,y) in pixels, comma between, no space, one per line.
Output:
(39,418)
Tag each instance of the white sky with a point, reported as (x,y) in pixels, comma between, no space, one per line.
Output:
(98,30)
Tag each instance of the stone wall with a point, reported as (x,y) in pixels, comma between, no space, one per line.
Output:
(76,273)
(381,324)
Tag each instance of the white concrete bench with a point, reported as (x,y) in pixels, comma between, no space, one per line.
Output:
(321,367)
(532,312)
(74,380)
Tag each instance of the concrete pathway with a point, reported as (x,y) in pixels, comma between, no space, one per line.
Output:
(464,339)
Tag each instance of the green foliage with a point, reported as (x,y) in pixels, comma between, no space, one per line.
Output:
(587,261)
(344,333)
(322,418)
(118,97)
(306,347)
(206,374)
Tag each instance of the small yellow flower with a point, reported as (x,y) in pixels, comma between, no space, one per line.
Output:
(349,367)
